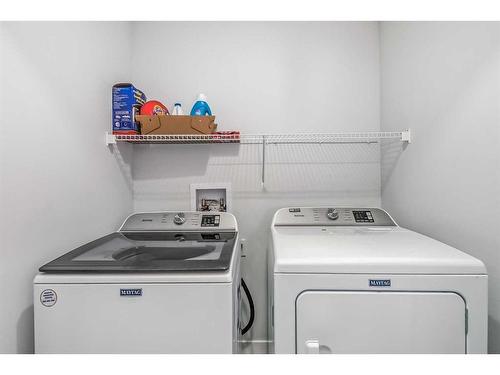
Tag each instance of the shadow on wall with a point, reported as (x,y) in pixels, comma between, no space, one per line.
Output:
(180,160)
(493,333)
(123,154)
(289,168)
(390,151)
(25,332)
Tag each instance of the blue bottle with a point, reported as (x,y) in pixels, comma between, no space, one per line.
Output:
(200,107)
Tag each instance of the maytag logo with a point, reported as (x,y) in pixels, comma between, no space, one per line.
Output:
(131,292)
(380,283)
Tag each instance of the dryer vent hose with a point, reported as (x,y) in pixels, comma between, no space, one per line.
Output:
(252,308)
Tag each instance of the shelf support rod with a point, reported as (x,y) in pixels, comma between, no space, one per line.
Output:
(263,160)
(406,136)
(110,139)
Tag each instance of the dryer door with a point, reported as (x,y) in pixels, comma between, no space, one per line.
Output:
(380,322)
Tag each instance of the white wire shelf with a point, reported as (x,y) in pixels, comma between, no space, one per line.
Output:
(299,138)
(262,139)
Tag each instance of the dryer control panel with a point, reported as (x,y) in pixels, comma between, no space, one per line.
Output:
(332,216)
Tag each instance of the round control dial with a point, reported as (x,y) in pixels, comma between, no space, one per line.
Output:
(332,214)
(179,218)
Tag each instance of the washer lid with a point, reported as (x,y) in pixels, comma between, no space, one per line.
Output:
(388,250)
(150,252)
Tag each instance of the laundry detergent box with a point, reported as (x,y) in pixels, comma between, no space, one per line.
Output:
(127,101)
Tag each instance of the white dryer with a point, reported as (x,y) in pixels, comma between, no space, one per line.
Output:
(166,282)
(350,280)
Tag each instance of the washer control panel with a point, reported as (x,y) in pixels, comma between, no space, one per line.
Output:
(332,216)
(174,221)
(210,220)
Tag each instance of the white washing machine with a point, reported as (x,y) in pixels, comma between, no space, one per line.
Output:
(350,280)
(164,283)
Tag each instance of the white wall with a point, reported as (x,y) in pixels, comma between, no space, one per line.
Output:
(59,185)
(442,80)
(262,77)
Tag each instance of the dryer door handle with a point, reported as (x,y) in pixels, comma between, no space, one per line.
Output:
(312,346)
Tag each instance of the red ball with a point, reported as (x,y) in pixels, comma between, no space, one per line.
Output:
(153,107)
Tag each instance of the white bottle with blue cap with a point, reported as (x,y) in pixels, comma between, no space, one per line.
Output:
(177,111)
(201,107)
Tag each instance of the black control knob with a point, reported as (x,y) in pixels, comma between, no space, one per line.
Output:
(332,214)
(180,218)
